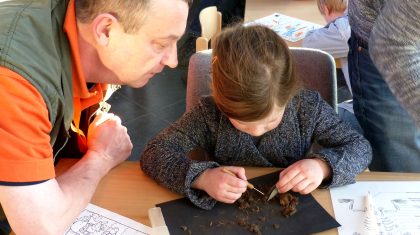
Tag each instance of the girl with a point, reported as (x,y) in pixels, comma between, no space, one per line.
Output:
(257,116)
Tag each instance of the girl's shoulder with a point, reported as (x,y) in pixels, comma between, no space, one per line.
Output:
(307,96)
(207,104)
(308,101)
(206,107)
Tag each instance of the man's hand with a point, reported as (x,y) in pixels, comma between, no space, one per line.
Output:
(28,209)
(108,139)
(221,186)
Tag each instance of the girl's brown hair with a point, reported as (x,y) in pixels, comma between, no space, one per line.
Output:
(252,71)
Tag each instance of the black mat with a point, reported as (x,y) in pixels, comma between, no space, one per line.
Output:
(182,217)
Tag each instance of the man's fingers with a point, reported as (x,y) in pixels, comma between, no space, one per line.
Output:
(103,117)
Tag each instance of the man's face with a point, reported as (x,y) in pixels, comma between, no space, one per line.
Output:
(134,58)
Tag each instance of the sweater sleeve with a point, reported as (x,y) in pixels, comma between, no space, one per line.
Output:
(395,50)
(165,156)
(347,152)
(331,38)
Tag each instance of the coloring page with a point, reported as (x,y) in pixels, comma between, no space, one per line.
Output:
(395,208)
(95,220)
(289,28)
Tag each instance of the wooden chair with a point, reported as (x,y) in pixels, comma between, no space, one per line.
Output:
(314,67)
(211,25)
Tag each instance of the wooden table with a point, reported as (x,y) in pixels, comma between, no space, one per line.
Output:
(126,190)
(301,9)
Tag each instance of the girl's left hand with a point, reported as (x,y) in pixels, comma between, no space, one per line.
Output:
(303,176)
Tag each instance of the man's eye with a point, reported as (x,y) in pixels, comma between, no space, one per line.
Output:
(160,46)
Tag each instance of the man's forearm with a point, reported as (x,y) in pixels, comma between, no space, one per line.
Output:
(50,207)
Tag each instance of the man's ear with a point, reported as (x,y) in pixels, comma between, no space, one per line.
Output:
(101,27)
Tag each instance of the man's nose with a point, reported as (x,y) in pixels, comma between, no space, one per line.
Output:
(171,58)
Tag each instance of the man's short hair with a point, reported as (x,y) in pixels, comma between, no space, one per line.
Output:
(130,13)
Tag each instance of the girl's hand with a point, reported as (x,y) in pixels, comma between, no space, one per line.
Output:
(222,186)
(303,176)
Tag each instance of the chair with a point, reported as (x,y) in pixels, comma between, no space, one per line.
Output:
(314,67)
(211,25)
(317,70)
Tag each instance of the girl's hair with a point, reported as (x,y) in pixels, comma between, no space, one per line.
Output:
(131,13)
(332,5)
(252,71)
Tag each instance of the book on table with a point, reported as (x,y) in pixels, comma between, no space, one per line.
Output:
(289,28)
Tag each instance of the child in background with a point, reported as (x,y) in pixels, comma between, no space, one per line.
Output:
(257,116)
(333,39)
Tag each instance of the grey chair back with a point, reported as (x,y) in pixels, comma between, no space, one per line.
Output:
(314,67)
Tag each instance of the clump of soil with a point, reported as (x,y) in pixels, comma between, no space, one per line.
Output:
(186,229)
(246,224)
(252,203)
(256,214)
(289,203)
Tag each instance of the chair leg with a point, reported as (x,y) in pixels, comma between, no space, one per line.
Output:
(201,44)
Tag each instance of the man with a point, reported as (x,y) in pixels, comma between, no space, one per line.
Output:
(398,30)
(382,30)
(55,58)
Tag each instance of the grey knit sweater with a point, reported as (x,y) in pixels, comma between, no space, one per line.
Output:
(392,29)
(307,118)
(362,16)
(398,30)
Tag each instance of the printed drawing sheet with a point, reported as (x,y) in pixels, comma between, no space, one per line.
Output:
(395,208)
(95,220)
(289,28)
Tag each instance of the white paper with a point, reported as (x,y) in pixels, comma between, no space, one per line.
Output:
(95,220)
(289,28)
(396,206)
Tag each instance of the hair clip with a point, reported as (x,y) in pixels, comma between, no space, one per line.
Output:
(214,60)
